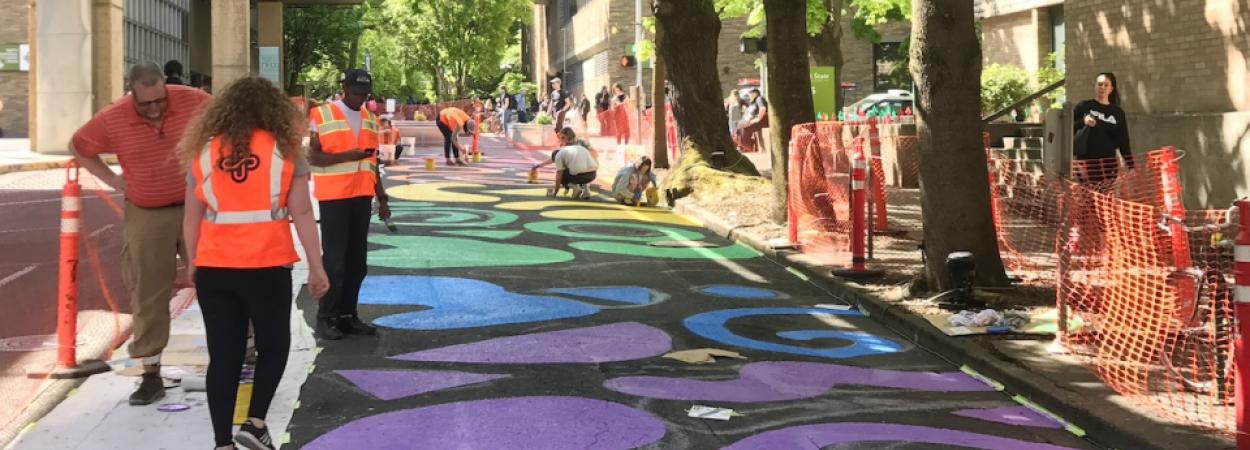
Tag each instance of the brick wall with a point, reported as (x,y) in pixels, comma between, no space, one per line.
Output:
(1014,39)
(1183,56)
(14,86)
(857,57)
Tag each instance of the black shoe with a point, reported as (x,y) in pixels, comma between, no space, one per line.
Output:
(151,389)
(353,325)
(254,438)
(328,330)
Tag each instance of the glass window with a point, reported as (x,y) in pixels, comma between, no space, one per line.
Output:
(1058,34)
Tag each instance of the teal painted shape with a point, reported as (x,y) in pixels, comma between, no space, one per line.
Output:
(486,234)
(734,251)
(443,217)
(434,252)
(660,233)
(628,294)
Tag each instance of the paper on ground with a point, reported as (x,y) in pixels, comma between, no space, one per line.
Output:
(702,355)
(708,412)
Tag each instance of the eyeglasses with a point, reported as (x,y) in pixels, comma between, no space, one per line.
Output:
(157,102)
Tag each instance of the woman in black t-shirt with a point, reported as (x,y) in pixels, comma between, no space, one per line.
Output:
(1101,130)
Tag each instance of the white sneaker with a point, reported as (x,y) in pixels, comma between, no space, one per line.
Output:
(576,191)
(583,192)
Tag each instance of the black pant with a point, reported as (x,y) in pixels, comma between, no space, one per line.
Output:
(581,178)
(229,300)
(448,149)
(344,249)
(399,150)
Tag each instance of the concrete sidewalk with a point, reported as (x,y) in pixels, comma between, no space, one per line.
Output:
(16,156)
(97,416)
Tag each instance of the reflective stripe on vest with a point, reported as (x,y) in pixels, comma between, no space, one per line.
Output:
(349,167)
(274,213)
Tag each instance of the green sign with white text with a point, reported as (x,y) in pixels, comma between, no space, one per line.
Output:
(824,93)
(14,58)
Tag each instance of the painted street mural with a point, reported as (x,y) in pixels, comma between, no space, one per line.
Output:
(512,320)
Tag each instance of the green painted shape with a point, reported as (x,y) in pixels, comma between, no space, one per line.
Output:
(434,252)
(487,234)
(556,228)
(402,205)
(735,251)
(442,217)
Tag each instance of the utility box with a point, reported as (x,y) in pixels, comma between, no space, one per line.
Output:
(1057,141)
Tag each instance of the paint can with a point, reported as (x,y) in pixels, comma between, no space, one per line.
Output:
(653,196)
(533,178)
(194,383)
(429,164)
(477,157)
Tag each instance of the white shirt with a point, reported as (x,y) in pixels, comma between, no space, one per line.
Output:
(576,159)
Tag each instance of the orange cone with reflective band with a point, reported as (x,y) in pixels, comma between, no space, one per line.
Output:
(859,219)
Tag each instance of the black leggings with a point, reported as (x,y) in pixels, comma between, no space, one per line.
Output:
(229,299)
(448,149)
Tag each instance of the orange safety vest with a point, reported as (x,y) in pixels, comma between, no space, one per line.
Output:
(245,222)
(454,118)
(390,136)
(348,179)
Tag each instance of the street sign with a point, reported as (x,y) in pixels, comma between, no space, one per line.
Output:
(14,58)
(824,93)
(270,67)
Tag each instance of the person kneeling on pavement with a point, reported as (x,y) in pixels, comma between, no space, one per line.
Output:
(632,183)
(576,167)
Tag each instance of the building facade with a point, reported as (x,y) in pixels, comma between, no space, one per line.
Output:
(1182,69)
(584,41)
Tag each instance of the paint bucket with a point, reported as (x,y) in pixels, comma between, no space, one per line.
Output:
(477,157)
(429,164)
(194,383)
(653,196)
(533,178)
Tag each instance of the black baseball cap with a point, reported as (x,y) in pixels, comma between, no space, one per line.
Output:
(357,78)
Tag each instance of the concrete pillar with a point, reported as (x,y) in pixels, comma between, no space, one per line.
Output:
(232,43)
(539,43)
(269,35)
(63,92)
(108,66)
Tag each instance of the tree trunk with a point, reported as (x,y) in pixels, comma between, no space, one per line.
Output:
(826,47)
(691,29)
(352,54)
(659,116)
(954,188)
(789,87)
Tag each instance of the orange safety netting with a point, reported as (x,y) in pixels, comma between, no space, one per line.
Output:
(819,201)
(30,210)
(1143,286)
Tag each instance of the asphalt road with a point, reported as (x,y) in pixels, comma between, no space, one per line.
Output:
(512,322)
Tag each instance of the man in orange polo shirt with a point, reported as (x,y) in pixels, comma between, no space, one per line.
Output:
(143,129)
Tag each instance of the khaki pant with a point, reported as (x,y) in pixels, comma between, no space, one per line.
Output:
(153,240)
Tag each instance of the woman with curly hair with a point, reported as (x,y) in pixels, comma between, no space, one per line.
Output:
(248,178)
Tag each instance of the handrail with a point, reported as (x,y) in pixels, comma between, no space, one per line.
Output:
(1034,96)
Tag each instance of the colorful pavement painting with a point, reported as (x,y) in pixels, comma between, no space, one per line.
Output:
(514,321)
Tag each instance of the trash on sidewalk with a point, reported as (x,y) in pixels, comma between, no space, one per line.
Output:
(173,407)
(989,318)
(703,355)
(708,412)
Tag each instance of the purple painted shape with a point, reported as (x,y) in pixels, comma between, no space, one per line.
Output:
(623,341)
(823,435)
(773,381)
(393,384)
(553,423)
(1011,415)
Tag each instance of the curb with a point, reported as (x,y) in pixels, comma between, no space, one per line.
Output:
(1106,423)
(26,167)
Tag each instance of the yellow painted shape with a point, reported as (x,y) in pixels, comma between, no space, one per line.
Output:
(438,192)
(523,192)
(242,403)
(637,214)
(539,205)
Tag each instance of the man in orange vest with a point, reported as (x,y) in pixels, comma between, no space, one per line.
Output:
(344,143)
